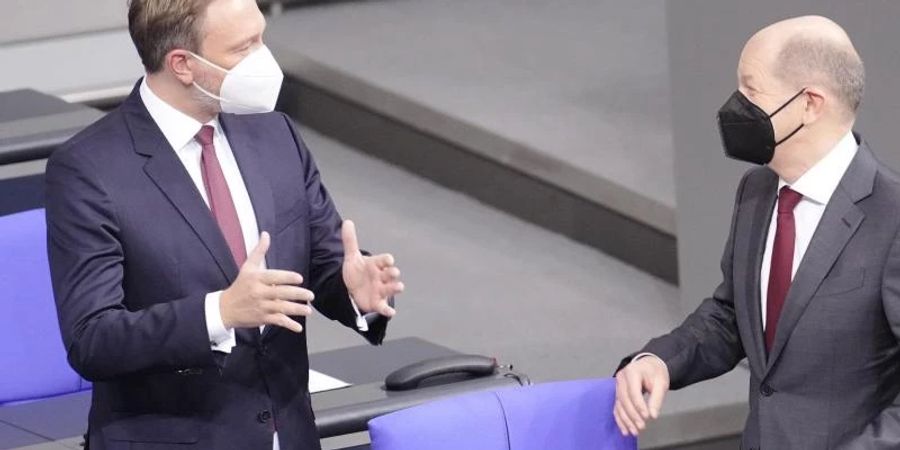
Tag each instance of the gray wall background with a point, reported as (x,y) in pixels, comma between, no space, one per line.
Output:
(77,49)
(26,20)
(705,40)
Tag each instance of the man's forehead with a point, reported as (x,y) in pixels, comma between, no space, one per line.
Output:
(229,21)
(756,61)
(234,13)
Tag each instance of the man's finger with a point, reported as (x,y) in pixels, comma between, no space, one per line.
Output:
(274,277)
(631,411)
(348,236)
(281,320)
(636,393)
(258,254)
(384,261)
(390,274)
(616,414)
(389,290)
(292,309)
(630,427)
(621,399)
(292,293)
(657,388)
(385,309)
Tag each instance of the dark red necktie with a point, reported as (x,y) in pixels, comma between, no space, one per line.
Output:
(219,196)
(782,261)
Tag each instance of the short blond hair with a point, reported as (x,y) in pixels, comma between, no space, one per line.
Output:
(160,26)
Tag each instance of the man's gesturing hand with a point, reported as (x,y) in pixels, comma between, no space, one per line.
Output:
(647,374)
(371,280)
(264,297)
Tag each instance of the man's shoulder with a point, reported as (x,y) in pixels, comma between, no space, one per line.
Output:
(274,130)
(100,140)
(885,180)
(756,178)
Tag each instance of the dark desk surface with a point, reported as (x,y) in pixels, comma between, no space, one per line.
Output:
(32,124)
(66,416)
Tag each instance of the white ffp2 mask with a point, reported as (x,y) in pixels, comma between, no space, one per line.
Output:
(250,87)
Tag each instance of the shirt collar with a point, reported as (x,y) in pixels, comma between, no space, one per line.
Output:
(820,181)
(178,127)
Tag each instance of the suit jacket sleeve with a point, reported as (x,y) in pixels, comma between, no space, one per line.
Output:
(707,343)
(883,432)
(103,338)
(327,251)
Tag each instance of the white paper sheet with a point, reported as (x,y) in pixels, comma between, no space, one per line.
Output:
(319,382)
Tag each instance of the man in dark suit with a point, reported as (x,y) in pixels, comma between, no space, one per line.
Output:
(187,244)
(811,270)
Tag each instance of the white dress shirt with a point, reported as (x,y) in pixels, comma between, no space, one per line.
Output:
(180,131)
(816,185)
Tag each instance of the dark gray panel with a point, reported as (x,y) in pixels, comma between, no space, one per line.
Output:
(490,182)
(56,418)
(12,437)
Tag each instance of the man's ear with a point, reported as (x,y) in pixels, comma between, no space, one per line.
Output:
(816,100)
(180,63)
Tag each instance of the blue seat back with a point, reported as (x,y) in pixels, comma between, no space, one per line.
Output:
(570,415)
(33,359)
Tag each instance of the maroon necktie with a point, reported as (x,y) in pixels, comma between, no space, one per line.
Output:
(782,261)
(219,196)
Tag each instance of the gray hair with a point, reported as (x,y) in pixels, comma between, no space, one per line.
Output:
(805,60)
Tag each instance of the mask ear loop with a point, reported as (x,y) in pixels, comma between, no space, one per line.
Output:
(790,135)
(787,103)
(785,106)
(209,94)
(214,66)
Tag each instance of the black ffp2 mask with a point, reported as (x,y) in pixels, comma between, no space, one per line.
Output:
(746,130)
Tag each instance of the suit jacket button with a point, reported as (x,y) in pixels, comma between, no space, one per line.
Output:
(264,416)
(766,390)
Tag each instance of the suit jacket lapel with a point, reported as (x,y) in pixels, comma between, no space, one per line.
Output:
(168,173)
(751,233)
(839,223)
(248,158)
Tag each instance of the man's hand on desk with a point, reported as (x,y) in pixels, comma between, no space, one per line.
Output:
(264,297)
(645,374)
(371,280)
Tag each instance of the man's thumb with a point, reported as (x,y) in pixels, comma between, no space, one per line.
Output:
(258,255)
(348,235)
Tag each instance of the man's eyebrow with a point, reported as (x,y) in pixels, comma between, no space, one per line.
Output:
(244,43)
(747,80)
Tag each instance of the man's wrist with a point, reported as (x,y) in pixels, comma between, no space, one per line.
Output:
(221,337)
(651,355)
(223,297)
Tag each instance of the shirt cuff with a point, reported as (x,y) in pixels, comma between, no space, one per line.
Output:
(221,339)
(641,355)
(361,323)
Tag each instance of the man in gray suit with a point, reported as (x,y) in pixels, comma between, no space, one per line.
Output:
(811,270)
